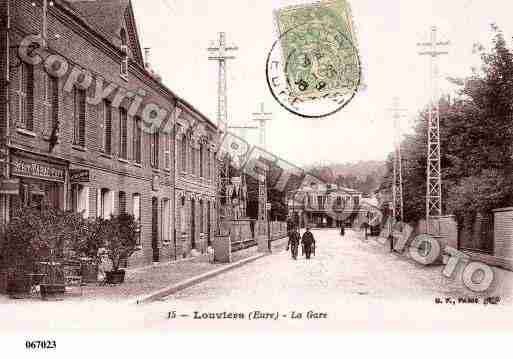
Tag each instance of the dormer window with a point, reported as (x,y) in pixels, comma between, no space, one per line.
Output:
(124,53)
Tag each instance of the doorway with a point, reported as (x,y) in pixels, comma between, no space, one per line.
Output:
(209,243)
(193,224)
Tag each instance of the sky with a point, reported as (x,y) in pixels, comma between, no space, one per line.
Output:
(179,32)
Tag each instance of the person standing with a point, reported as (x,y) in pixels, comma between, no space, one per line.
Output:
(293,244)
(308,242)
(342,229)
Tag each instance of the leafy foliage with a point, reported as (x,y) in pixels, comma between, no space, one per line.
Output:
(476,135)
(119,238)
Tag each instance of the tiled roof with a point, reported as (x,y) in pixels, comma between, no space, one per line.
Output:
(106,15)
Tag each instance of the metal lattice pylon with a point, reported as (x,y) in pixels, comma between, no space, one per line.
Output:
(397,184)
(434,173)
(262,117)
(219,54)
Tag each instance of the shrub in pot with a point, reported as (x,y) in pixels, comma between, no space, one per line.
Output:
(120,242)
(36,235)
(90,242)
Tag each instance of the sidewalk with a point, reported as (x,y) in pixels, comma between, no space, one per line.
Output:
(146,280)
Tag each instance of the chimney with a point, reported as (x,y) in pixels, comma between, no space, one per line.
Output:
(147,58)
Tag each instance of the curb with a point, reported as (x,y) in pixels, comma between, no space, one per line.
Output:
(164,292)
(162,264)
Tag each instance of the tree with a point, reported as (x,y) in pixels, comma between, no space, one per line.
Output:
(476,135)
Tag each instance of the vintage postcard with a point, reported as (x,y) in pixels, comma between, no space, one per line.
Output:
(319,49)
(273,167)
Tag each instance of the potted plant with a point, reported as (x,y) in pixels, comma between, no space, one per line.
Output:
(19,254)
(120,242)
(58,233)
(89,244)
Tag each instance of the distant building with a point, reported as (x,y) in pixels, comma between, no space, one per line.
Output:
(325,205)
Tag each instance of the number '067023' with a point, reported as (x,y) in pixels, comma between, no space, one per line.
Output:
(41,344)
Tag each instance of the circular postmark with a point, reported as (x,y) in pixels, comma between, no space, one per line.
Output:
(313,70)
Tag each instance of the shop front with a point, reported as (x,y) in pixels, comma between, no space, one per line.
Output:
(40,182)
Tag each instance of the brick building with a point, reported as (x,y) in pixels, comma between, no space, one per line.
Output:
(90,127)
(195,180)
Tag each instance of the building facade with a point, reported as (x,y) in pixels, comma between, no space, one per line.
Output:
(324,205)
(90,127)
(196,180)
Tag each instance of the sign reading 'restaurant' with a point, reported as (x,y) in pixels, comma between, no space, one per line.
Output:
(25,167)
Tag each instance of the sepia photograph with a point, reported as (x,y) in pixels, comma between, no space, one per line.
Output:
(284,169)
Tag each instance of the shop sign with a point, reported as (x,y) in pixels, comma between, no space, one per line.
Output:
(79,176)
(10,186)
(25,167)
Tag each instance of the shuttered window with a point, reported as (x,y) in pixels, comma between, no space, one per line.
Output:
(51,104)
(167,151)
(183,158)
(137,133)
(193,160)
(123,135)
(79,121)
(154,147)
(26,96)
(201,164)
(122,202)
(107,127)
(208,163)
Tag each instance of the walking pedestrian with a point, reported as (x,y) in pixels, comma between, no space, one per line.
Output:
(308,242)
(342,229)
(293,244)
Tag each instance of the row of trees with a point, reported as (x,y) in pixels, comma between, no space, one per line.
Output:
(366,183)
(476,129)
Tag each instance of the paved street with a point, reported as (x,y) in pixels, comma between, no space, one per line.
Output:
(357,283)
(350,284)
(347,267)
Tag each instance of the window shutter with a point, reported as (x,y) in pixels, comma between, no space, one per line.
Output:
(82,123)
(123,133)
(27,96)
(167,150)
(54,101)
(122,202)
(107,113)
(79,116)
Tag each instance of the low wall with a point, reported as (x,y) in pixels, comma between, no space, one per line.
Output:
(502,241)
(278,230)
(444,228)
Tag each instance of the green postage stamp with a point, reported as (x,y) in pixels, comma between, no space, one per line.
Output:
(319,50)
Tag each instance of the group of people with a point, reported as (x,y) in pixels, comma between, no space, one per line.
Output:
(307,242)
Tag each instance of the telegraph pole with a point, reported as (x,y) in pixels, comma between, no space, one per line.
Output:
(220,55)
(434,174)
(262,117)
(397,184)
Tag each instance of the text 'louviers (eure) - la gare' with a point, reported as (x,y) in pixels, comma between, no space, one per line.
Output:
(252,315)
